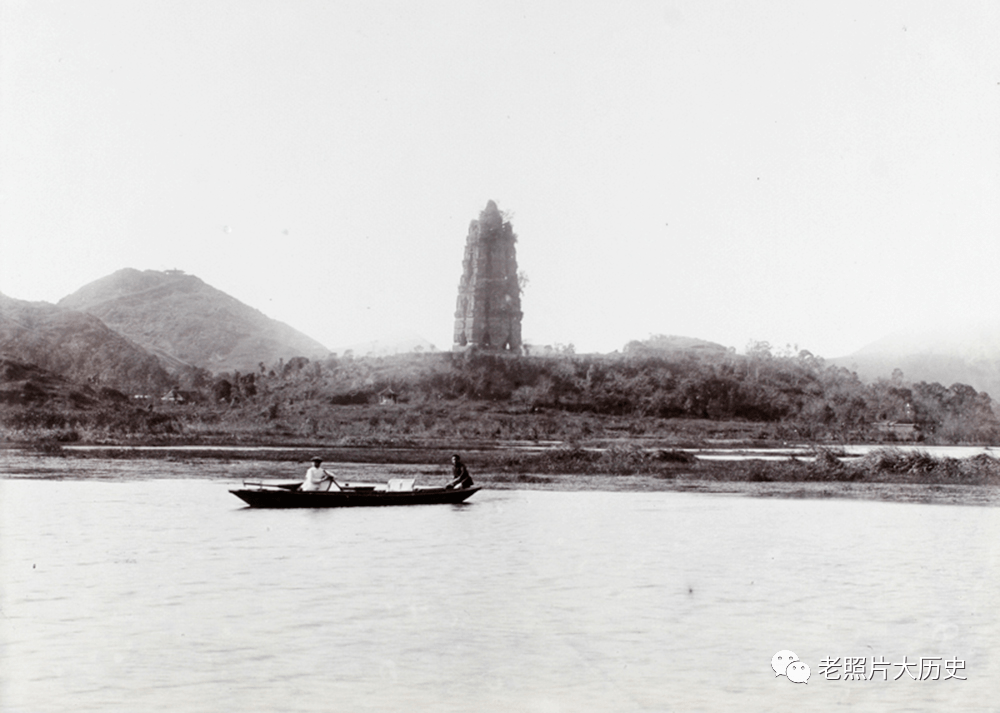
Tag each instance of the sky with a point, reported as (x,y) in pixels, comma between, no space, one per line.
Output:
(813,174)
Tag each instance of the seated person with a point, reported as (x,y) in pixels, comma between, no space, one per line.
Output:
(462,479)
(319,479)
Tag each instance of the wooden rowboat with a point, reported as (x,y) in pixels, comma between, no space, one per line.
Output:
(287,495)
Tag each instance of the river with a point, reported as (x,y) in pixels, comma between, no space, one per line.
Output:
(157,592)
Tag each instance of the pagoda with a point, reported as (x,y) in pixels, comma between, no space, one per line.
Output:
(488,313)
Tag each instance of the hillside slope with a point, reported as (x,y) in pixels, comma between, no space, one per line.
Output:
(668,344)
(77,346)
(967,354)
(30,385)
(181,319)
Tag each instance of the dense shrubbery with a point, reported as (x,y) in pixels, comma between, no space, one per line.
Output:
(616,460)
(477,395)
(885,465)
(93,425)
(806,398)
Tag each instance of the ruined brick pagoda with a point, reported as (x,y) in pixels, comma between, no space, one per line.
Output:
(488,313)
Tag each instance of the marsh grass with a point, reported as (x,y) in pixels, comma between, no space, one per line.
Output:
(616,460)
(883,465)
(495,463)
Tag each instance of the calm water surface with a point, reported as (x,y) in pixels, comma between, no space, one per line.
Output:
(168,595)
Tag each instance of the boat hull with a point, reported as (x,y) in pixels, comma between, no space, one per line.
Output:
(280,498)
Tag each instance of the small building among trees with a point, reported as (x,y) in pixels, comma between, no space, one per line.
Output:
(175,396)
(387,396)
(899,430)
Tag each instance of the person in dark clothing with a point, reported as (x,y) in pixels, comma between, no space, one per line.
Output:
(460,473)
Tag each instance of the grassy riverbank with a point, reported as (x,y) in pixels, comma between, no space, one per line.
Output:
(564,464)
(885,474)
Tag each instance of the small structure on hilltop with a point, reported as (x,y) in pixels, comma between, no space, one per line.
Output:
(488,313)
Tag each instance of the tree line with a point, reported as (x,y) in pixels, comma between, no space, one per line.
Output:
(815,400)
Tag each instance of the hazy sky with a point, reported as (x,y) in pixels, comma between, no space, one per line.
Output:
(816,173)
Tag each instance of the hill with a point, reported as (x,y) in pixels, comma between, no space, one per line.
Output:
(959,353)
(38,406)
(669,344)
(29,385)
(77,346)
(185,321)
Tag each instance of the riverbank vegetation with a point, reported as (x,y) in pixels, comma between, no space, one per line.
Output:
(619,467)
(656,398)
(884,465)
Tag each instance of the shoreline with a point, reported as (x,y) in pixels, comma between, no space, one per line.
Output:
(888,475)
(925,493)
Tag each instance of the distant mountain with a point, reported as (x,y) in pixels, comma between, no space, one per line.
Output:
(967,354)
(185,321)
(77,346)
(389,345)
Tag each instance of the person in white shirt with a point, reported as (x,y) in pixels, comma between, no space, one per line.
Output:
(319,479)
